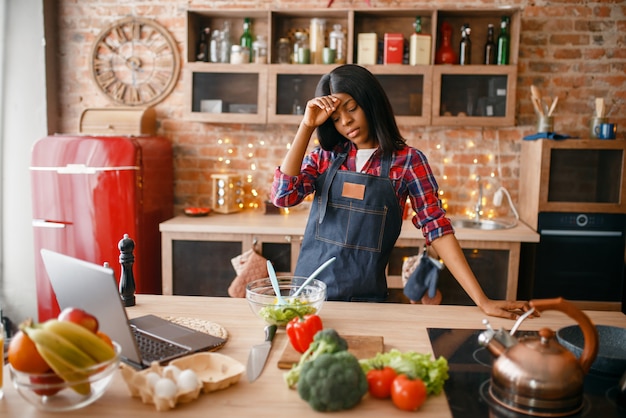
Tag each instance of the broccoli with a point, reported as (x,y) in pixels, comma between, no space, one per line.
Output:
(325,341)
(332,382)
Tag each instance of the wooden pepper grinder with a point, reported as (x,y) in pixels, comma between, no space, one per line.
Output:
(127,280)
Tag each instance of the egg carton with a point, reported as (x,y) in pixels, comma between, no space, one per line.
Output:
(214,371)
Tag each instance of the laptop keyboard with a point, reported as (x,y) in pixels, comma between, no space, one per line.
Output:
(154,349)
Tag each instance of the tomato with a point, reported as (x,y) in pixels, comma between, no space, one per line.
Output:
(408,394)
(380,380)
(23,355)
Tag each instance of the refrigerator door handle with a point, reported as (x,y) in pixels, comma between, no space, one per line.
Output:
(42,223)
(84,169)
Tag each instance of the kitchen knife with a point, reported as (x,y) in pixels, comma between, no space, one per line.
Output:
(259,353)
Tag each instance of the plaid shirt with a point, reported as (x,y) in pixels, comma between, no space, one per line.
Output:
(410,175)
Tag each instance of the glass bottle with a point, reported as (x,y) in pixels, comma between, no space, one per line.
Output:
(225,43)
(301,50)
(504,40)
(337,41)
(446,54)
(465,48)
(259,50)
(215,44)
(283,51)
(202,50)
(317,34)
(246,37)
(490,47)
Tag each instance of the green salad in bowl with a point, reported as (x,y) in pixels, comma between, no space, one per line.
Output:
(265,304)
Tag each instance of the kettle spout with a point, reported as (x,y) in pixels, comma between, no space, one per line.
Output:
(497,342)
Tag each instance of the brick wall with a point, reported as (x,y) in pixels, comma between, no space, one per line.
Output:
(571,49)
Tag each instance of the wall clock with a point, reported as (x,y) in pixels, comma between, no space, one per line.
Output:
(135,62)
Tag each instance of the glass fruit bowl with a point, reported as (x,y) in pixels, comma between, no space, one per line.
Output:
(264,303)
(49,392)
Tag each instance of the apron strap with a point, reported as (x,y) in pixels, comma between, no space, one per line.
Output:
(385,165)
(330,175)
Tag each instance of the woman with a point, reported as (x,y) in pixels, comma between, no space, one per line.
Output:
(361,176)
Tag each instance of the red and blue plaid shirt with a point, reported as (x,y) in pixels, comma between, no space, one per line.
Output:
(410,175)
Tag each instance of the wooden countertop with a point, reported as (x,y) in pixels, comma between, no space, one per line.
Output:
(251,222)
(402,326)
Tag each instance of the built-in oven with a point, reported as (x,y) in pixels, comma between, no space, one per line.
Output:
(580,256)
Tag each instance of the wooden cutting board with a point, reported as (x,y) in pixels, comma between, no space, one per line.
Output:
(362,346)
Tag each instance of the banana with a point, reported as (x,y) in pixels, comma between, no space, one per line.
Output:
(81,337)
(67,360)
(66,371)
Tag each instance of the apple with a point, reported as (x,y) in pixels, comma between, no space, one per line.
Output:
(50,378)
(81,317)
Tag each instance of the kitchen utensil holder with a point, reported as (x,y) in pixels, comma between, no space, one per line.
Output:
(545,123)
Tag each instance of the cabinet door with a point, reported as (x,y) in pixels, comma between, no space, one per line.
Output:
(226,93)
(409,91)
(281,250)
(477,95)
(490,266)
(203,268)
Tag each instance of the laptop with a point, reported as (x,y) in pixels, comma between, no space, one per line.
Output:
(145,339)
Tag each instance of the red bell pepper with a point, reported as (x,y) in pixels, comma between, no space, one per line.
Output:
(302,329)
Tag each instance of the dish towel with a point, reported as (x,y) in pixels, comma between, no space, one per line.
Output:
(546,135)
(423,278)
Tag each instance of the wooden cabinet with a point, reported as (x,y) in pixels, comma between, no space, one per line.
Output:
(196,253)
(572,175)
(443,95)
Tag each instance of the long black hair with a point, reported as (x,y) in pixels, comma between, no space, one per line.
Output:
(367,91)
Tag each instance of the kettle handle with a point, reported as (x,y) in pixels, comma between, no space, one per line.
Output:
(590,333)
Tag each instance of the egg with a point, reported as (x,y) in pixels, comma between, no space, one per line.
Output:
(171,372)
(165,388)
(151,379)
(187,380)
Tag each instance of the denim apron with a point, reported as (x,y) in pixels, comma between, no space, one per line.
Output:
(356,218)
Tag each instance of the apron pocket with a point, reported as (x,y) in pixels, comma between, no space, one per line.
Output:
(354,227)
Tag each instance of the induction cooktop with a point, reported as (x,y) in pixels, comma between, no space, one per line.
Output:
(467,389)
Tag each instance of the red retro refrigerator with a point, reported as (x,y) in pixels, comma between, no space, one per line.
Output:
(88,191)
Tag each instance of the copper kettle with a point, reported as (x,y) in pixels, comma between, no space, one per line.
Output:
(535,375)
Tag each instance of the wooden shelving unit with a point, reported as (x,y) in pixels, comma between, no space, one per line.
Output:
(440,95)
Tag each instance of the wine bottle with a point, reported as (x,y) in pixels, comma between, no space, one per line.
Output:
(465,48)
(490,47)
(202,51)
(504,40)
(246,37)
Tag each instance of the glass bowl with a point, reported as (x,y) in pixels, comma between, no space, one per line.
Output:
(263,302)
(48,392)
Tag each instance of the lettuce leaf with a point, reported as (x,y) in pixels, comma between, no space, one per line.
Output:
(433,372)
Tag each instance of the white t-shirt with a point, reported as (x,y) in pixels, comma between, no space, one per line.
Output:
(362,155)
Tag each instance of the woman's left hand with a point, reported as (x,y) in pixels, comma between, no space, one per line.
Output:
(510,309)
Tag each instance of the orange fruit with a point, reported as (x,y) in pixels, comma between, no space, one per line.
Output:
(23,355)
(105,338)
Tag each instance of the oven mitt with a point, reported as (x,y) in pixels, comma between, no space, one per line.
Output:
(423,278)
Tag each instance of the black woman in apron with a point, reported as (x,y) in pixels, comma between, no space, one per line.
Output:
(361,175)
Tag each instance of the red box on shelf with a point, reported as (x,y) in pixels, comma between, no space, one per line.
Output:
(393,48)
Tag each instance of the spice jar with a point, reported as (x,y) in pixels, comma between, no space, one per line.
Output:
(283,48)
(239,54)
(259,50)
(301,50)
